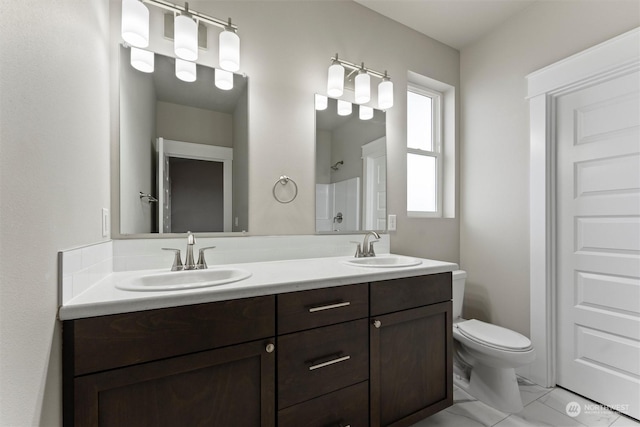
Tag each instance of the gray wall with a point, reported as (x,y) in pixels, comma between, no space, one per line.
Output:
(494,243)
(54,181)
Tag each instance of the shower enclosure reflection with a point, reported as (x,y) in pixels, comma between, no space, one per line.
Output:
(350,171)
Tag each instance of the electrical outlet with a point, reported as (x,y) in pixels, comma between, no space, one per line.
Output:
(391,223)
(105,222)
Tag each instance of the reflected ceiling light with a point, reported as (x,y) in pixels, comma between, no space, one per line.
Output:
(321,102)
(363,86)
(229,56)
(385,93)
(223,79)
(142,60)
(366,113)
(185,36)
(186,70)
(135,23)
(335,81)
(344,108)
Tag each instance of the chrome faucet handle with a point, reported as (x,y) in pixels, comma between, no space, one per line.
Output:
(371,251)
(366,246)
(202,263)
(177,260)
(358,253)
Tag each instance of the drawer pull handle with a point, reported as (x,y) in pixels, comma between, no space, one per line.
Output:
(270,347)
(329,306)
(328,363)
(377,324)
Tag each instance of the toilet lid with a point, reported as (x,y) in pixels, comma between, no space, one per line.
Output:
(493,335)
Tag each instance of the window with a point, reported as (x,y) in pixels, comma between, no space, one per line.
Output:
(424,152)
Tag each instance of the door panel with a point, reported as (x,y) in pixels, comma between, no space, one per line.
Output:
(598,270)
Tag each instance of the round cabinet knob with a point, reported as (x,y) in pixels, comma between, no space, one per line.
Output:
(270,347)
(377,323)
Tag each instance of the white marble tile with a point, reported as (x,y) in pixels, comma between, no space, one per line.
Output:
(623,421)
(559,398)
(538,414)
(530,392)
(447,418)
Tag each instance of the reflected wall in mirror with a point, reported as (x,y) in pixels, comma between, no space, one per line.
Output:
(351,164)
(186,144)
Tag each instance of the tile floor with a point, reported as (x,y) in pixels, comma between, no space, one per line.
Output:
(542,407)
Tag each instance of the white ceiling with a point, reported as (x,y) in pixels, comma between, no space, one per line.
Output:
(453,22)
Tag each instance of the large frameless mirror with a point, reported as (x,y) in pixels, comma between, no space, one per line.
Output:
(183,151)
(351,166)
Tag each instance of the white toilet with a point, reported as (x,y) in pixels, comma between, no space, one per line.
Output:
(486,356)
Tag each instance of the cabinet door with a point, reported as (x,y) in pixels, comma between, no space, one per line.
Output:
(230,387)
(411,365)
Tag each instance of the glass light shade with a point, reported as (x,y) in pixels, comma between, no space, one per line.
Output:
(385,95)
(335,81)
(321,102)
(185,39)
(363,88)
(142,60)
(366,113)
(229,49)
(344,108)
(224,79)
(185,70)
(135,23)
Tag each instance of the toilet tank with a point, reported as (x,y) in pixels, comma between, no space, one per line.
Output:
(459,277)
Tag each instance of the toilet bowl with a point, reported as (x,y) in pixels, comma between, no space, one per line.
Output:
(486,356)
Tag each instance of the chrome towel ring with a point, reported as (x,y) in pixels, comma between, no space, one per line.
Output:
(284,180)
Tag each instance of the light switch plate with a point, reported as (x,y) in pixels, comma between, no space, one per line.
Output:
(391,223)
(105,222)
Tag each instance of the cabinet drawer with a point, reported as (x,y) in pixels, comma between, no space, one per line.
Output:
(320,307)
(322,360)
(108,342)
(388,296)
(346,407)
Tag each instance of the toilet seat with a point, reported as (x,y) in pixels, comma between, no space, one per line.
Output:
(493,336)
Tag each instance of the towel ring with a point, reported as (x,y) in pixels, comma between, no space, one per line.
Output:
(284,180)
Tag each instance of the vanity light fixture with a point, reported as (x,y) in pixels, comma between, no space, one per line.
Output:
(335,83)
(344,107)
(135,30)
(321,102)
(363,86)
(223,79)
(142,60)
(186,70)
(229,52)
(185,36)
(366,113)
(385,93)
(135,23)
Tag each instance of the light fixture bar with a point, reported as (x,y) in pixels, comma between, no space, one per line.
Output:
(355,67)
(197,15)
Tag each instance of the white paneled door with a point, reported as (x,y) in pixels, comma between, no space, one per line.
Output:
(598,238)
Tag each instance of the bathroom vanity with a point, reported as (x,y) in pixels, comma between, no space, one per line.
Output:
(376,353)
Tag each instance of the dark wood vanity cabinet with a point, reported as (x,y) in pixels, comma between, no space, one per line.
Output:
(411,355)
(206,364)
(375,354)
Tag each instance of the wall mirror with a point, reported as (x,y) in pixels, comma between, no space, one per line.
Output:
(351,162)
(183,151)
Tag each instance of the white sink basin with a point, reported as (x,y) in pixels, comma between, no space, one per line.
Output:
(384,261)
(181,280)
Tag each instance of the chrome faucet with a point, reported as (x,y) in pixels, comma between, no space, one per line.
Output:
(189,262)
(366,250)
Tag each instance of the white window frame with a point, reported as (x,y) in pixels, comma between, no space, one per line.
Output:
(438,149)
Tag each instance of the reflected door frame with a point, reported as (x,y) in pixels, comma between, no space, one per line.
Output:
(187,150)
(373,151)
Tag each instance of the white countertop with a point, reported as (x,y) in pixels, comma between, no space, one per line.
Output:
(271,277)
